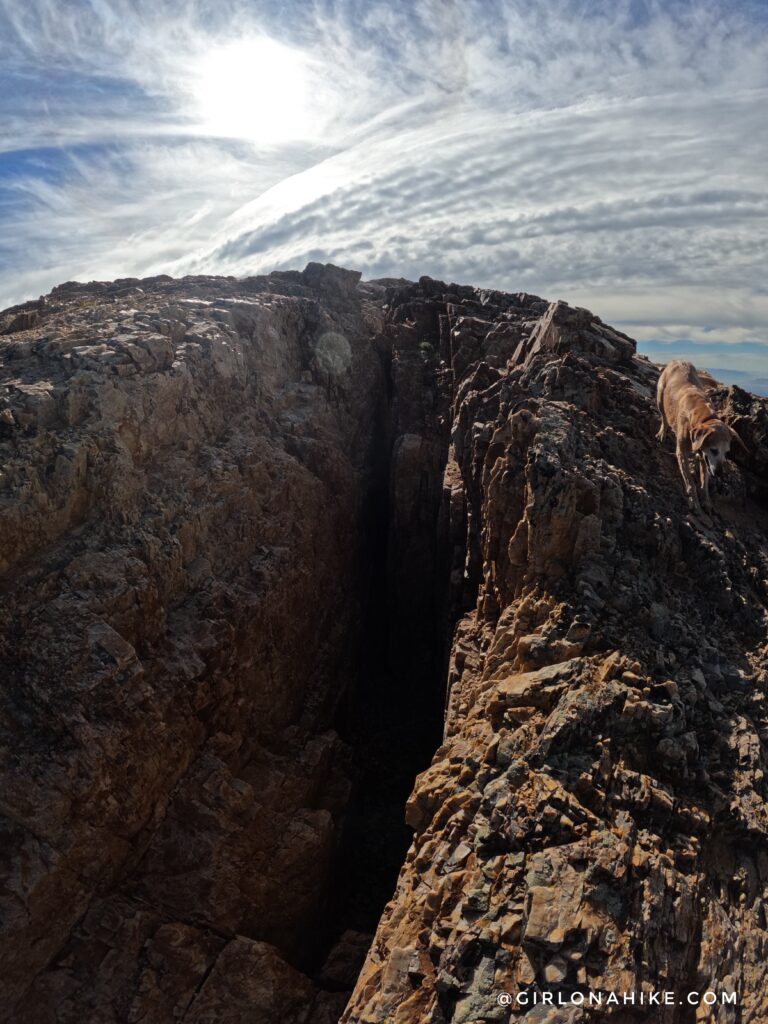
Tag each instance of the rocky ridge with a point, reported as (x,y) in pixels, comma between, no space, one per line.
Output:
(217,496)
(595,820)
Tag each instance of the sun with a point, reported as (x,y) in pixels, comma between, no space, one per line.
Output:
(254,89)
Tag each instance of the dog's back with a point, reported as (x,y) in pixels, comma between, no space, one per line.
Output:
(680,388)
(677,373)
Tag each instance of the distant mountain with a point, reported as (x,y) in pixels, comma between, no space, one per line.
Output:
(743,363)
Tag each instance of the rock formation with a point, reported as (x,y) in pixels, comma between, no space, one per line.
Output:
(595,819)
(255,536)
(185,472)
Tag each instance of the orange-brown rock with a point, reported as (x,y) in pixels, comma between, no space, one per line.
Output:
(237,516)
(184,471)
(595,820)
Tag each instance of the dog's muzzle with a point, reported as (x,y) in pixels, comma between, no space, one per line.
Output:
(714,471)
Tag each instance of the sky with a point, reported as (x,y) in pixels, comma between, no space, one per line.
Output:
(612,154)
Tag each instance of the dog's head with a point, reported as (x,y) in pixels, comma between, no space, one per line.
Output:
(713,441)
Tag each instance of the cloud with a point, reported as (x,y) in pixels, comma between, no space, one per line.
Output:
(611,154)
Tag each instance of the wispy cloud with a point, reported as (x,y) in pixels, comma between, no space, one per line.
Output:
(609,153)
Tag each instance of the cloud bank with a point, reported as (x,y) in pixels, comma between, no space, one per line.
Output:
(612,154)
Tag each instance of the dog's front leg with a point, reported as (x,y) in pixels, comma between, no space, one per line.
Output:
(688,480)
(704,477)
(662,431)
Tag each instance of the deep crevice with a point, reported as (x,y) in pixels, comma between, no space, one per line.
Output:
(392,719)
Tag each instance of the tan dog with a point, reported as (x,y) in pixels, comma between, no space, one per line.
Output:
(698,431)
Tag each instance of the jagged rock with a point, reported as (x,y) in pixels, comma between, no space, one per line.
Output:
(191,474)
(249,981)
(599,782)
(178,476)
(343,963)
(22,322)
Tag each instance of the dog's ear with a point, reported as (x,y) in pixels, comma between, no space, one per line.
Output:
(736,437)
(699,437)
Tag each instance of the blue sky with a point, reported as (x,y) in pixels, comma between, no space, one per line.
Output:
(611,154)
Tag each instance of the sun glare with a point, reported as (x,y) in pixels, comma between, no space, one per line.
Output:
(253,89)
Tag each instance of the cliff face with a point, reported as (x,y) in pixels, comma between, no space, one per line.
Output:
(245,527)
(186,473)
(595,820)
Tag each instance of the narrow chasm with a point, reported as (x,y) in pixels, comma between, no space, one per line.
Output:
(392,716)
